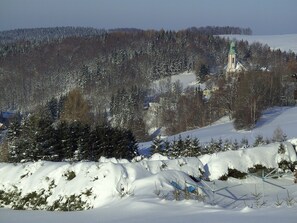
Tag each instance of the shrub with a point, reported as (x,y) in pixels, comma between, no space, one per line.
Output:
(287,165)
(279,135)
(281,149)
(258,168)
(70,175)
(233,173)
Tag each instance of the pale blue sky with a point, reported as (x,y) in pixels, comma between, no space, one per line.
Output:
(262,16)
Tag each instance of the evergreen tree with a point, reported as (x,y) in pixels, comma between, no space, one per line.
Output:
(157,145)
(235,145)
(244,143)
(13,134)
(27,141)
(203,71)
(187,147)
(83,144)
(53,107)
(44,138)
(195,148)
(259,141)
(167,148)
(125,146)
(177,147)
(70,142)
(215,146)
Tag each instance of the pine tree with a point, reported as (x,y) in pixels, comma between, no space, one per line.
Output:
(13,134)
(53,108)
(167,148)
(259,141)
(177,147)
(235,145)
(44,138)
(187,147)
(27,141)
(244,143)
(125,145)
(97,142)
(157,145)
(70,143)
(83,144)
(195,148)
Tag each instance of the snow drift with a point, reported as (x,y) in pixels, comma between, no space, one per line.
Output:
(94,183)
(87,185)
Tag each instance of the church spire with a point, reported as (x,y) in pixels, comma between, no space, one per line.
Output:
(231,67)
(232,50)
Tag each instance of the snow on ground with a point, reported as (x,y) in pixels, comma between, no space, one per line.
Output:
(218,164)
(186,79)
(271,119)
(283,42)
(143,190)
(232,201)
(107,179)
(146,211)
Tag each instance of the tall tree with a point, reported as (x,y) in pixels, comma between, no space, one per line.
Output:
(76,108)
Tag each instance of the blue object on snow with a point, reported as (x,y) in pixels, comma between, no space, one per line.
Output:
(176,185)
(190,188)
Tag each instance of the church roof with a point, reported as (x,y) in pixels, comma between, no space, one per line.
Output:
(232,50)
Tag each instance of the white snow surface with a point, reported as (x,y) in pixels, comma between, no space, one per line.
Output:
(186,79)
(147,182)
(148,210)
(284,118)
(285,42)
(106,178)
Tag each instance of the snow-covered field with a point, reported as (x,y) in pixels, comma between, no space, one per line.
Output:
(148,210)
(186,79)
(145,190)
(283,42)
(284,118)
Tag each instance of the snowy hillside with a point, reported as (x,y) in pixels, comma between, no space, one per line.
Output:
(160,189)
(245,185)
(186,79)
(284,118)
(283,42)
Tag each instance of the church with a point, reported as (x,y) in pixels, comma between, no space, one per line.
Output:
(234,65)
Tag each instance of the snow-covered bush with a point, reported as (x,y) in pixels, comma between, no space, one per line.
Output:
(233,173)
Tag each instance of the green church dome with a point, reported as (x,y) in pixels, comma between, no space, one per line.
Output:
(232,48)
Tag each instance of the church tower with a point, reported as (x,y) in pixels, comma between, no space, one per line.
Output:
(231,66)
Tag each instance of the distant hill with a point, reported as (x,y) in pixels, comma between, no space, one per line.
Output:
(283,42)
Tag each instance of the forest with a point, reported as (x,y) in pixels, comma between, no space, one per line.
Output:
(113,71)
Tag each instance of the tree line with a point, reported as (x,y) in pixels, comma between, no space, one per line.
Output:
(114,71)
(48,134)
(191,146)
